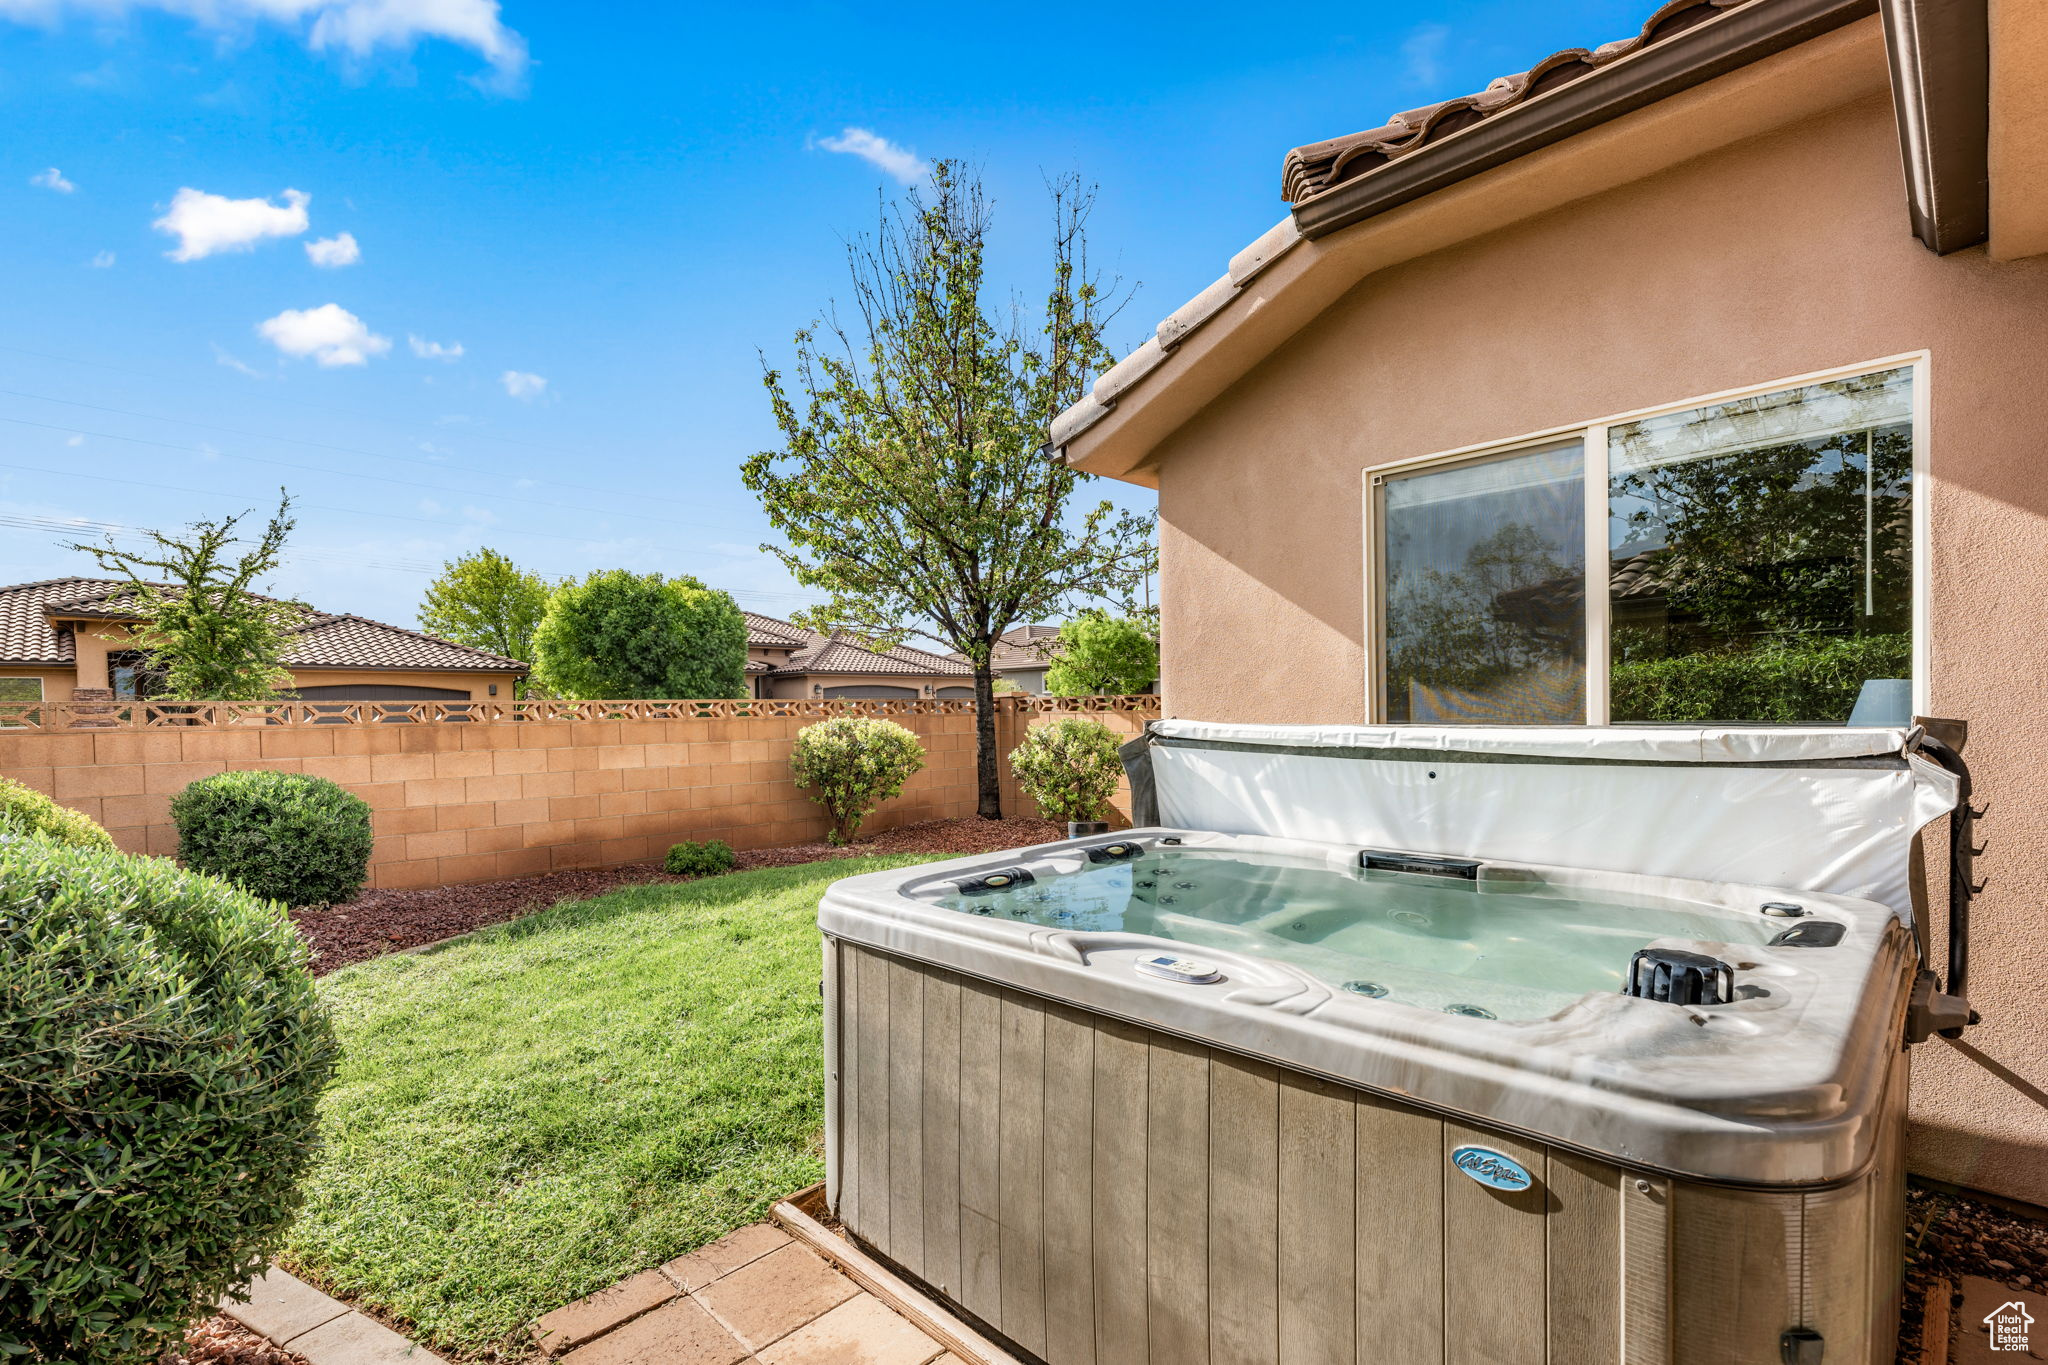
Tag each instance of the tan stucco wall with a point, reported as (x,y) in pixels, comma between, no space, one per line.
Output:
(1775,258)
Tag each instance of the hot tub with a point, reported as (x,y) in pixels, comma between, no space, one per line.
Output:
(1207,1091)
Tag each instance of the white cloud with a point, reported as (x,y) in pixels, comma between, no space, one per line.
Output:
(900,162)
(333,252)
(102,259)
(52,179)
(1422,53)
(357,28)
(330,334)
(521,385)
(206,223)
(74,440)
(433,350)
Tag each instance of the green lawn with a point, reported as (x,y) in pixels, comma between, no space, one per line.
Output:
(539,1109)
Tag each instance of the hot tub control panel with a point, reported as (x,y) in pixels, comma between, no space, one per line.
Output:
(1189,971)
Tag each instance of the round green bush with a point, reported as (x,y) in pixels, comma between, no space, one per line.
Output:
(707,859)
(24,810)
(161,1054)
(851,764)
(282,836)
(1070,768)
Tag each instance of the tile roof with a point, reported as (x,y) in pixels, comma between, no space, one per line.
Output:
(1020,647)
(1311,169)
(815,653)
(324,639)
(765,632)
(834,655)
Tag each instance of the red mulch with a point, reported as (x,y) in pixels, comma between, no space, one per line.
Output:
(1952,1235)
(223,1341)
(385,921)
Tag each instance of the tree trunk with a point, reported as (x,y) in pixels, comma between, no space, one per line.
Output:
(990,806)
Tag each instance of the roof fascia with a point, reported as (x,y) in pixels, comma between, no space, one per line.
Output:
(1838,68)
(1939,52)
(1726,43)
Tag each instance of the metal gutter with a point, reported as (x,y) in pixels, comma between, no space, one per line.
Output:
(1662,69)
(1939,52)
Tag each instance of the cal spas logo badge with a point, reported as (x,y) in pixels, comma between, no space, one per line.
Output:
(1491,1169)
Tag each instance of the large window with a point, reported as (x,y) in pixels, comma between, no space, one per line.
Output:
(1759,556)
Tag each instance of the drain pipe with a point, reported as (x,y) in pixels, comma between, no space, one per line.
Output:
(1943,1006)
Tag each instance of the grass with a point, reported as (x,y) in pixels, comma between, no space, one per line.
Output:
(544,1107)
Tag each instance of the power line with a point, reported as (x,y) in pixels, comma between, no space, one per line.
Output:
(380,478)
(75,525)
(338,449)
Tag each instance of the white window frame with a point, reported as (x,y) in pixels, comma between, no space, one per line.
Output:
(1593,437)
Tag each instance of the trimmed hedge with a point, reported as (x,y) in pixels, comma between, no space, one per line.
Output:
(851,764)
(707,859)
(1812,682)
(161,1054)
(24,810)
(1070,768)
(282,836)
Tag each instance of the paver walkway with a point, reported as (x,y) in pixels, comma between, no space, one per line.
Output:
(755,1295)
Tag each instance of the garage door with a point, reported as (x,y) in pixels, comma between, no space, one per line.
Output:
(874,690)
(378,692)
(956,691)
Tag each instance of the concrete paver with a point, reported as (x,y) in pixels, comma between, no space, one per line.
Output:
(282,1306)
(725,1255)
(2021,1324)
(353,1339)
(677,1333)
(768,1299)
(861,1331)
(573,1324)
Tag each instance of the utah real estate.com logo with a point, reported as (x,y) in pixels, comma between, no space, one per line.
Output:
(2007,1326)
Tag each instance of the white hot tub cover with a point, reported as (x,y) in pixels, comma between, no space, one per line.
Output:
(1812,809)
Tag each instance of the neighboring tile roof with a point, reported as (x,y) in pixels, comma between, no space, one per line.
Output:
(1020,647)
(325,639)
(765,632)
(834,655)
(817,653)
(1313,168)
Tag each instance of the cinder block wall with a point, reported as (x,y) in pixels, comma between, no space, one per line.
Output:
(475,801)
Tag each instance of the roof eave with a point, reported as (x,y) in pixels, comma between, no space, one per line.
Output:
(1804,81)
(1723,44)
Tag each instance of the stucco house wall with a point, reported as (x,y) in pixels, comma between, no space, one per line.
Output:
(1769,259)
(93,641)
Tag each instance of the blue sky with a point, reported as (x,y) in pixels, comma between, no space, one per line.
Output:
(613,210)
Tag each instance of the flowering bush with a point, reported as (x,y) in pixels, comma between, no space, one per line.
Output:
(24,810)
(1070,768)
(852,764)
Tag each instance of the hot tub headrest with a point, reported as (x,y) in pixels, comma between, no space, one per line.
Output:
(1821,809)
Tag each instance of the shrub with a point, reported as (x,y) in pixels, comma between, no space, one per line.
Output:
(161,1053)
(282,836)
(24,810)
(707,859)
(1100,654)
(616,635)
(1812,682)
(1070,768)
(851,764)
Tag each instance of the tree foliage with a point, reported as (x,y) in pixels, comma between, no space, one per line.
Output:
(485,601)
(617,635)
(203,625)
(1103,655)
(913,486)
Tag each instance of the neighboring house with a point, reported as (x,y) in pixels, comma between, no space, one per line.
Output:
(66,634)
(787,661)
(1668,306)
(1021,657)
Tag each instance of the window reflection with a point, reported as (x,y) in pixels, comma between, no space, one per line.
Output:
(1484,591)
(1761,557)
